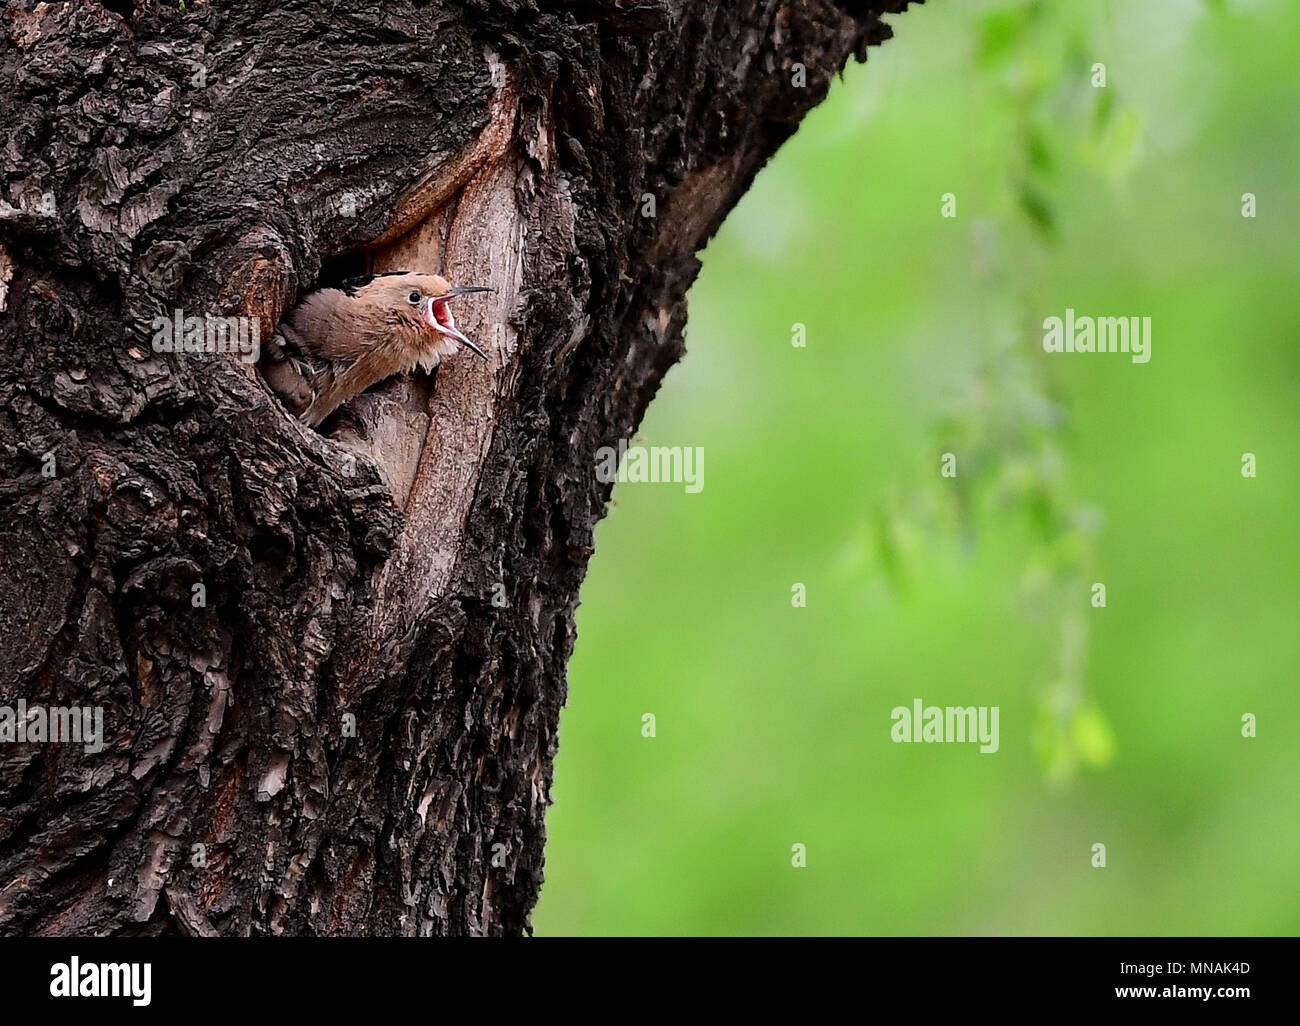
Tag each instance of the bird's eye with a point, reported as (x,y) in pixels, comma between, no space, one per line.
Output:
(414,298)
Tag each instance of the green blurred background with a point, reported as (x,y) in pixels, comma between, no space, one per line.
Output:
(1119,725)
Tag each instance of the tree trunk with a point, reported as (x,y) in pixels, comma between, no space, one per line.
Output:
(331,666)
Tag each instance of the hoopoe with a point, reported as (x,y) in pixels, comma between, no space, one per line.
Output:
(341,340)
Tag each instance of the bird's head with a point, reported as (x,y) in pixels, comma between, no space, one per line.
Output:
(420,305)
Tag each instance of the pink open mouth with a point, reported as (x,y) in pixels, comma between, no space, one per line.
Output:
(437,315)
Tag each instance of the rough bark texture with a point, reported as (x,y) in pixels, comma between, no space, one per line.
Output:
(223,159)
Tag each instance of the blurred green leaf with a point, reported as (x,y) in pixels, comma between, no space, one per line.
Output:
(1035,206)
(1038,152)
(999,33)
(1093,737)
(1115,151)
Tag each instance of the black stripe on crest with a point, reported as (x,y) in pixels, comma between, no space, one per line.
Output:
(351,286)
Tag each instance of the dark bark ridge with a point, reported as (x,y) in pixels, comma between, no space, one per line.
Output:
(340,731)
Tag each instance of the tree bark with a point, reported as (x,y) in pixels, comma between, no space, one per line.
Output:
(331,666)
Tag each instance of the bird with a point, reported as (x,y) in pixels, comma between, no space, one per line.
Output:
(341,340)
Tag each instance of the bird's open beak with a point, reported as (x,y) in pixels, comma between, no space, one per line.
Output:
(443,322)
(463,340)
